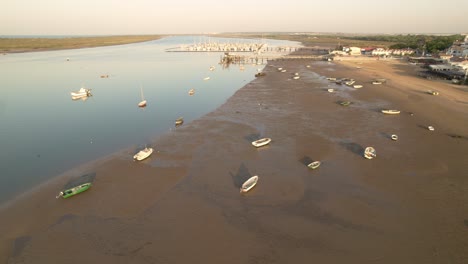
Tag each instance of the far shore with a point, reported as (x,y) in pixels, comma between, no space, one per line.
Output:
(20,45)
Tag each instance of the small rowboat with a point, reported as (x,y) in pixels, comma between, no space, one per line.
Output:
(390,111)
(249,184)
(143,154)
(206,78)
(369,153)
(296,77)
(394,137)
(314,165)
(179,121)
(357,86)
(433,92)
(431,128)
(345,103)
(331,90)
(376,82)
(75,190)
(280,69)
(283,70)
(191,91)
(261,142)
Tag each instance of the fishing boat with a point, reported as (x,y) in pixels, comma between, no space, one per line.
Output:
(83,92)
(296,77)
(261,142)
(74,190)
(283,70)
(143,101)
(376,82)
(206,78)
(191,91)
(357,86)
(249,184)
(345,103)
(369,153)
(433,92)
(179,121)
(390,111)
(394,137)
(143,154)
(280,69)
(331,90)
(431,128)
(314,165)
(212,68)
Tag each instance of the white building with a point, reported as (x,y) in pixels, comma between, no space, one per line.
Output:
(459,48)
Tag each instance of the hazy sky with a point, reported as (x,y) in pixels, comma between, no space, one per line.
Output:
(91,17)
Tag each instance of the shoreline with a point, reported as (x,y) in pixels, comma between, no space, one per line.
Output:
(145,211)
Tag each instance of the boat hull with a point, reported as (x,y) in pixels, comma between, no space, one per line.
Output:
(143,154)
(249,184)
(75,190)
(261,142)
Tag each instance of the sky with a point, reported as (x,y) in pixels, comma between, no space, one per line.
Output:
(122,17)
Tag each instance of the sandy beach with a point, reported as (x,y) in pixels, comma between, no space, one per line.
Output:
(182,205)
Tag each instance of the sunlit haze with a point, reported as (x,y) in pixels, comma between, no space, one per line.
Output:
(117,17)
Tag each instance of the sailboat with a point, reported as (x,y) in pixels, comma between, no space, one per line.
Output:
(143,101)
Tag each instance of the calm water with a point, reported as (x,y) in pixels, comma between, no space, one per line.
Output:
(44,133)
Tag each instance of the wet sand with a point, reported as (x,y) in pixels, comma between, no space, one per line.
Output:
(182,205)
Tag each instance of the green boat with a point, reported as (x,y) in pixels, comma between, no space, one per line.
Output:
(75,190)
(345,103)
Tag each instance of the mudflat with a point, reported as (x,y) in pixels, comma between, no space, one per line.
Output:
(409,204)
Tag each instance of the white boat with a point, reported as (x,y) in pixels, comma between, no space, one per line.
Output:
(143,154)
(191,91)
(261,142)
(357,86)
(212,68)
(283,70)
(394,137)
(314,165)
(296,74)
(179,121)
(83,92)
(331,79)
(431,128)
(331,90)
(390,111)
(369,153)
(376,82)
(249,184)
(142,103)
(433,92)
(296,77)
(349,83)
(280,69)
(206,78)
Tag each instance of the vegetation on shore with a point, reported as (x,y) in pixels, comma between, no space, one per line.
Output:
(10,45)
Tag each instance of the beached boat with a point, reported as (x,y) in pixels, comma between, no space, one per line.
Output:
(280,69)
(261,142)
(74,190)
(369,153)
(431,128)
(394,137)
(357,86)
(349,83)
(143,154)
(345,103)
(433,92)
(83,92)
(331,79)
(142,103)
(390,111)
(259,74)
(331,90)
(191,91)
(376,82)
(283,70)
(296,77)
(249,184)
(314,165)
(179,121)
(206,78)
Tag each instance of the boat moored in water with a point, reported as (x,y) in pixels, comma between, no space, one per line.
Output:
(314,165)
(143,154)
(369,153)
(390,111)
(83,92)
(249,184)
